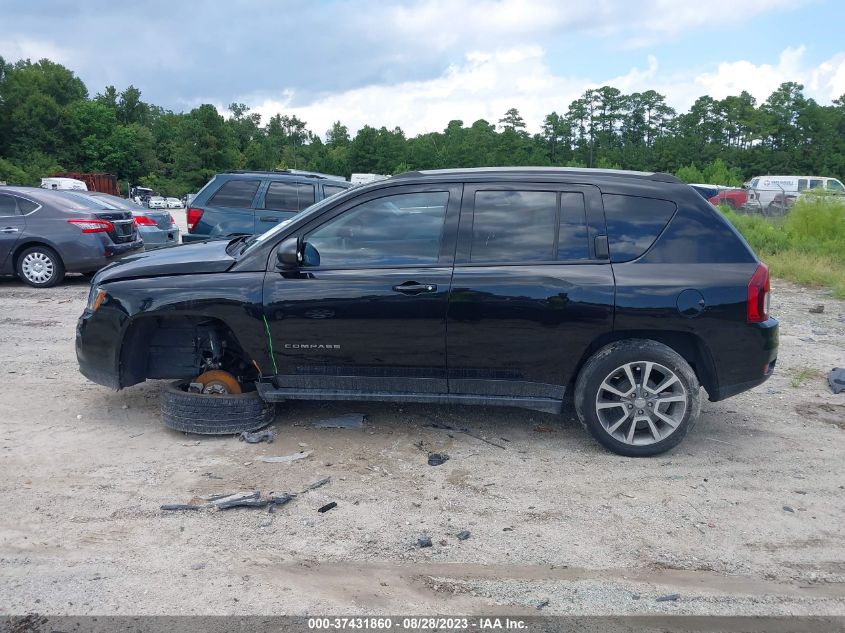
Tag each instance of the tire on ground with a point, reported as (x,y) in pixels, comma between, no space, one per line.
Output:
(213,414)
(44,251)
(614,355)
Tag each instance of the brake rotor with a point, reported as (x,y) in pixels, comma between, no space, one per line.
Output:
(218,382)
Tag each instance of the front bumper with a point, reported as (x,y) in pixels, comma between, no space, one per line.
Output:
(98,337)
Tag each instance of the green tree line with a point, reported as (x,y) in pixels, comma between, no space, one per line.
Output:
(49,122)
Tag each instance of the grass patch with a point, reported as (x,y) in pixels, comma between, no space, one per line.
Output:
(807,246)
(801,375)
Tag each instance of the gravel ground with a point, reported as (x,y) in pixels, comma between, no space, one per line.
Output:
(745,517)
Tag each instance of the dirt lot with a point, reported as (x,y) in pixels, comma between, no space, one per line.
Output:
(745,517)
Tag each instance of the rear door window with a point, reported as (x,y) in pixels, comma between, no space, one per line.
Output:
(633,224)
(26,206)
(572,241)
(288,196)
(8,205)
(514,226)
(235,193)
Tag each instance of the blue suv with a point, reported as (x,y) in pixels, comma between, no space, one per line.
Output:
(251,202)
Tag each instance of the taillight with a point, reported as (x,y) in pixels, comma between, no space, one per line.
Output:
(757,307)
(194,216)
(172,220)
(143,220)
(93,226)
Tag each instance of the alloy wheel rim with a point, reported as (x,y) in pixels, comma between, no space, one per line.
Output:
(641,403)
(38,267)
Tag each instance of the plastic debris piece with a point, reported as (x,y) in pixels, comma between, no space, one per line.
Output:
(463,535)
(435,459)
(424,541)
(259,436)
(836,379)
(283,459)
(172,507)
(327,507)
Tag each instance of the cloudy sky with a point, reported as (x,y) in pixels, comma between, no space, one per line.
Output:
(420,63)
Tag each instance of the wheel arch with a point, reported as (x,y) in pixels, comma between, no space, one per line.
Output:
(690,346)
(148,344)
(30,242)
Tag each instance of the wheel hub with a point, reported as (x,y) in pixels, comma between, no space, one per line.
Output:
(641,403)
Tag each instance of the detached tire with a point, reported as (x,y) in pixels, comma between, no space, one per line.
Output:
(638,397)
(213,414)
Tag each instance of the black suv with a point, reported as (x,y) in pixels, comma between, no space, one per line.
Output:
(475,286)
(252,202)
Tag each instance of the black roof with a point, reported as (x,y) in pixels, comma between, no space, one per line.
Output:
(584,172)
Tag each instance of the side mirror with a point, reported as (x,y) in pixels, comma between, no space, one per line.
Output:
(288,255)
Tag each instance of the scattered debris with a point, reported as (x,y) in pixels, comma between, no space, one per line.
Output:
(243,503)
(346,421)
(443,542)
(543,604)
(283,459)
(424,541)
(788,509)
(545,429)
(259,436)
(672,597)
(198,566)
(836,379)
(327,507)
(463,535)
(436,459)
(173,507)
(817,309)
(446,427)
(317,484)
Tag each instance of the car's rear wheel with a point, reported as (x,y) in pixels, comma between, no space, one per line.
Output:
(213,413)
(40,267)
(638,397)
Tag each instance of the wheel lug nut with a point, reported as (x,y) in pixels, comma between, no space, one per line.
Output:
(639,411)
(649,404)
(630,406)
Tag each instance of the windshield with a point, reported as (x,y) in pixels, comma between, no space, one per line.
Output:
(255,241)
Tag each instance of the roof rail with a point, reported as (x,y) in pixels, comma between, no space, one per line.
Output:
(620,173)
(292,172)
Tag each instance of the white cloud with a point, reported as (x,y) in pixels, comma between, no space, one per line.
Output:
(20,47)
(443,24)
(488,83)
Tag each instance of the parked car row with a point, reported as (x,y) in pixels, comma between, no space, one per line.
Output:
(45,234)
(160,202)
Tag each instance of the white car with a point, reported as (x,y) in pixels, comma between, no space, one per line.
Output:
(174,203)
(157,202)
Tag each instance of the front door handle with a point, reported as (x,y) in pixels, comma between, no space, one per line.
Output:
(9,229)
(268,218)
(414,288)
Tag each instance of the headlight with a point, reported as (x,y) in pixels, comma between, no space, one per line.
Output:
(95,298)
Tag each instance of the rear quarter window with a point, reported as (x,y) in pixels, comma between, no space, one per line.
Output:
(633,224)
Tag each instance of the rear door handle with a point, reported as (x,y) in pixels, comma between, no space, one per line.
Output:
(268,218)
(10,229)
(414,288)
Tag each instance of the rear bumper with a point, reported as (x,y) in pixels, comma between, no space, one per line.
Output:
(759,356)
(155,237)
(96,251)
